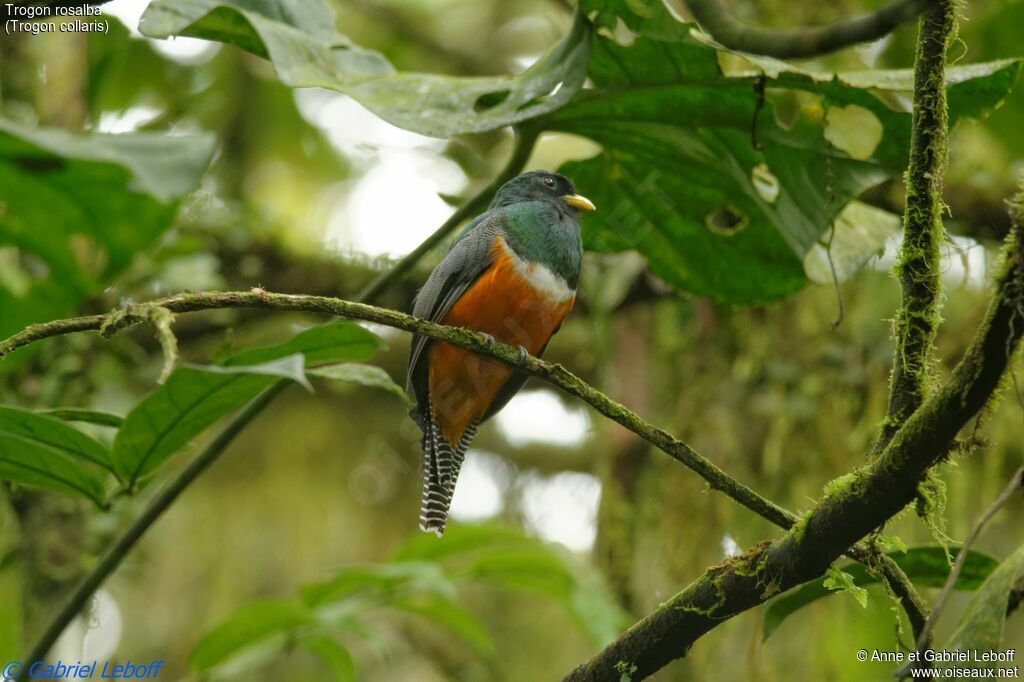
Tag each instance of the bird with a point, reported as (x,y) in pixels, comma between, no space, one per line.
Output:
(510,275)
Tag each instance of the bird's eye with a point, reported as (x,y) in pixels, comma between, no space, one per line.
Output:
(550,182)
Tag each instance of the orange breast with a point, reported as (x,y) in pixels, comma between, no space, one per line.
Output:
(505,305)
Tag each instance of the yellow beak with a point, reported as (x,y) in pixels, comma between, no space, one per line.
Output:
(578,202)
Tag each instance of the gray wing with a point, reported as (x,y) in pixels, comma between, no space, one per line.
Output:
(468,259)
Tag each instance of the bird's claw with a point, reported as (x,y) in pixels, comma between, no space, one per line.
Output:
(488,339)
(523,353)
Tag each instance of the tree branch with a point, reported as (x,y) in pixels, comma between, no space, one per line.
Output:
(917,319)
(852,507)
(801,43)
(557,375)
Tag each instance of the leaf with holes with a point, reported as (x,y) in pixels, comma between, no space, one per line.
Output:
(74,211)
(300,40)
(680,178)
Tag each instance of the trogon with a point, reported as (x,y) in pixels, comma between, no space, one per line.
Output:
(512,275)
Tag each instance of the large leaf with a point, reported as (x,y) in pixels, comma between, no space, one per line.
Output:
(43,451)
(679,178)
(300,39)
(981,626)
(926,566)
(76,209)
(194,397)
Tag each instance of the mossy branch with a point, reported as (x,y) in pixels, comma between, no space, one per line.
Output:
(801,43)
(917,319)
(854,505)
(118,320)
(555,374)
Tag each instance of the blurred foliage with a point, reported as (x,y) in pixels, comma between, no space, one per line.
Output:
(221,176)
(424,579)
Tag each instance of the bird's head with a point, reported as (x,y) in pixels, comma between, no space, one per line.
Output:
(541,186)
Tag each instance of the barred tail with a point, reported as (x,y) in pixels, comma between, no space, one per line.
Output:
(441,465)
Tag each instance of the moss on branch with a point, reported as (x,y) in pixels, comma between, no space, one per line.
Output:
(854,505)
(918,317)
(554,374)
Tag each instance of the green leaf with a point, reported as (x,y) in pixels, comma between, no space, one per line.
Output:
(77,414)
(34,463)
(291,367)
(43,451)
(925,566)
(337,657)
(861,232)
(51,432)
(448,614)
(489,554)
(841,581)
(981,626)
(81,207)
(253,624)
(300,40)
(194,397)
(191,399)
(461,541)
(364,375)
(405,576)
(679,179)
(330,342)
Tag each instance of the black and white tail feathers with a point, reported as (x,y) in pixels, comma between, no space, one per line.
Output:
(441,465)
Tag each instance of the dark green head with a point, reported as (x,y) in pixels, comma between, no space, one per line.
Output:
(541,186)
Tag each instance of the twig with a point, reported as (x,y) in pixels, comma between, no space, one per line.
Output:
(552,373)
(119,550)
(801,43)
(1016,483)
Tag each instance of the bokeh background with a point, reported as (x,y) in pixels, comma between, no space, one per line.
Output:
(308,192)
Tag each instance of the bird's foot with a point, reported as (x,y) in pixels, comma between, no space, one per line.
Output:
(488,339)
(523,353)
